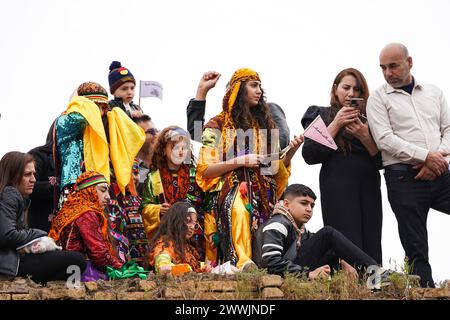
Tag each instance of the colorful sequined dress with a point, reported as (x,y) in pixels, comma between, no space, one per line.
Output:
(246,196)
(154,195)
(82,145)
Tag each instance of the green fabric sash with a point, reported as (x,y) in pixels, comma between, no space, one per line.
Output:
(128,270)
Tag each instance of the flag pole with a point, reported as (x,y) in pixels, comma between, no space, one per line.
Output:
(140,88)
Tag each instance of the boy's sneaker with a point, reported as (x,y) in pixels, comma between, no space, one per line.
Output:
(387,273)
(384,277)
(381,278)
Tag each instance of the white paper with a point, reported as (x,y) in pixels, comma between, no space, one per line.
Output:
(223,269)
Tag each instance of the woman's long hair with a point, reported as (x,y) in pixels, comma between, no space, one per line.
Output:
(361,83)
(243,114)
(48,146)
(173,228)
(12,167)
(258,117)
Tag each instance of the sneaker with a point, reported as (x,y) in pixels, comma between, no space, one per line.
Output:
(379,278)
(387,273)
(384,277)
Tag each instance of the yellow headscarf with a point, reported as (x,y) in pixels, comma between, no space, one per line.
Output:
(239,76)
(95,150)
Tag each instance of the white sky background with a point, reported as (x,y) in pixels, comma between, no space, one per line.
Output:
(48,48)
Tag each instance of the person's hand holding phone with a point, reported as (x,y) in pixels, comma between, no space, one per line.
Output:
(345,116)
(358,103)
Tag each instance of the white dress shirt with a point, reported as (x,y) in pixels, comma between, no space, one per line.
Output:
(406,126)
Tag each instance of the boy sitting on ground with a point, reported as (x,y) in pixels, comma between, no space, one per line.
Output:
(284,245)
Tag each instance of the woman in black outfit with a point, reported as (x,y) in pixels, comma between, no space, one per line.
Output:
(349,177)
(16,184)
(43,193)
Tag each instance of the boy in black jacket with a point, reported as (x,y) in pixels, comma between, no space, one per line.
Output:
(284,245)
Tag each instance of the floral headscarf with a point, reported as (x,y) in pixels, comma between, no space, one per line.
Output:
(83,199)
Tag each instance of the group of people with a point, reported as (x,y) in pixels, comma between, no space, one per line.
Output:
(110,188)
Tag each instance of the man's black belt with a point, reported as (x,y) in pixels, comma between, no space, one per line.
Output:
(400,167)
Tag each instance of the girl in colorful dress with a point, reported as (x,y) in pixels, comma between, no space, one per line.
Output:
(138,242)
(234,161)
(173,248)
(171,179)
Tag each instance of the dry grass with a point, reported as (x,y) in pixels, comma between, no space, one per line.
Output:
(401,287)
(248,286)
(339,287)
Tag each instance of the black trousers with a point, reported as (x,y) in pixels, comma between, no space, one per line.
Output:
(327,246)
(411,200)
(351,203)
(49,266)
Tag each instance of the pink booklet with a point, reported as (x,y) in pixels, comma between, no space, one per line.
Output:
(318,132)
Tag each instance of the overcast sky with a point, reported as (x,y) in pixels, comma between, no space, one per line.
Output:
(48,48)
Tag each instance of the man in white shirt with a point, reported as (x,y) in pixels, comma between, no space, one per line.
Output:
(410,123)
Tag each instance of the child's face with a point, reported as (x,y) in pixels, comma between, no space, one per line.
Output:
(177,154)
(125,91)
(192,225)
(301,208)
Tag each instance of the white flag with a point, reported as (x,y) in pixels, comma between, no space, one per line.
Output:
(150,89)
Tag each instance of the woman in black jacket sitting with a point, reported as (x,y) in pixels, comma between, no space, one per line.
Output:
(16,185)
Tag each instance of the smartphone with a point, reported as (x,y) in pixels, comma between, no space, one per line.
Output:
(358,103)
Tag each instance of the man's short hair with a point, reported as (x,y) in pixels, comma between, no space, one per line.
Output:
(143,118)
(298,190)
